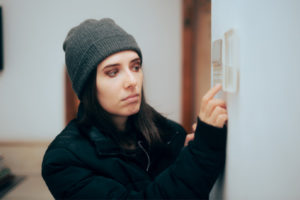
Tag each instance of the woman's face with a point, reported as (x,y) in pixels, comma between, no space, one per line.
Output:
(119,83)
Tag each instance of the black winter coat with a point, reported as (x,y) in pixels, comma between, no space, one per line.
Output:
(90,166)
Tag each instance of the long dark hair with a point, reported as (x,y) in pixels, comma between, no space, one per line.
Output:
(147,122)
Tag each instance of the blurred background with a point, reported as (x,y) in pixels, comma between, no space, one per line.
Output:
(36,102)
(176,38)
(32,82)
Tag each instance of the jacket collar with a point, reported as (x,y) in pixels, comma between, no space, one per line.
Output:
(107,147)
(104,145)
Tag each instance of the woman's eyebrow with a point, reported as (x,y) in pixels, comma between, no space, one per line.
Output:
(136,60)
(111,65)
(117,64)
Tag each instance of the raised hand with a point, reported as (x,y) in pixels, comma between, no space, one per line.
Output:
(213,111)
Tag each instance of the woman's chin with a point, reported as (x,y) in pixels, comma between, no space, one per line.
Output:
(131,111)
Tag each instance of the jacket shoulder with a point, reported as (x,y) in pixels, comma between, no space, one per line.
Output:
(70,140)
(67,136)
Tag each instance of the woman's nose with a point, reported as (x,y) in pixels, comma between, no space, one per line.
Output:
(130,80)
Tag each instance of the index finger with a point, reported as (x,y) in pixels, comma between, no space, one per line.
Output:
(212,92)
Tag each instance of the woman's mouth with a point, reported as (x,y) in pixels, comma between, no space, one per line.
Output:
(131,98)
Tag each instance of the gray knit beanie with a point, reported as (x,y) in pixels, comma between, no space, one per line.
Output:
(89,43)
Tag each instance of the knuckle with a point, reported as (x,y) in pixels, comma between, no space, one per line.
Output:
(223,119)
(210,103)
(205,99)
(221,110)
(216,112)
(218,109)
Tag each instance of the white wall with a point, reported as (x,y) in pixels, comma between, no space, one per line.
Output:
(31,85)
(263,144)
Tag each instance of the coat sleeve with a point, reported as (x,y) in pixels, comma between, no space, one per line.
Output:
(191,176)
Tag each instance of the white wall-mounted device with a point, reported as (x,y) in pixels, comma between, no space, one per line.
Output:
(224,69)
(217,70)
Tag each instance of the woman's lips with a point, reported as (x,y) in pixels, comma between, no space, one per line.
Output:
(132,98)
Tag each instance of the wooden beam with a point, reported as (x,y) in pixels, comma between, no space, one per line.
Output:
(187,65)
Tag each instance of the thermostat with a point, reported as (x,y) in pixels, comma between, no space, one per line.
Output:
(224,69)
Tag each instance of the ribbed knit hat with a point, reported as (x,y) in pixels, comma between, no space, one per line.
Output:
(89,43)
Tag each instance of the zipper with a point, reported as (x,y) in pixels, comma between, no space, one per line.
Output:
(173,137)
(148,157)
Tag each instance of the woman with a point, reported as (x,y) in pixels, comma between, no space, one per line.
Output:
(119,147)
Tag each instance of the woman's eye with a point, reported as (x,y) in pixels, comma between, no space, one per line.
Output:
(112,73)
(136,68)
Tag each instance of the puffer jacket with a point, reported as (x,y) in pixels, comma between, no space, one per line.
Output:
(90,165)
